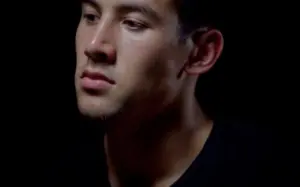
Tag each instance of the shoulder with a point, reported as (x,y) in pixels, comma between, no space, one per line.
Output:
(246,141)
(246,135)
(235,154)
(246,151)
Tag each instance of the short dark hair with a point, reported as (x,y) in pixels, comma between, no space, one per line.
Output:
(194,14)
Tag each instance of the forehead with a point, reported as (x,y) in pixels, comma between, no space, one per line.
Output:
(157,5)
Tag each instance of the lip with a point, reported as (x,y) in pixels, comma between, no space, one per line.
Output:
(95,81)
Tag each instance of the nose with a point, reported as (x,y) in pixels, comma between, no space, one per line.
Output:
(101,48)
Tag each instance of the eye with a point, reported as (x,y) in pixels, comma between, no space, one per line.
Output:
(134,25)
(90,18)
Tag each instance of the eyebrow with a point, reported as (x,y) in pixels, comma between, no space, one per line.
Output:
(92,3)
(129,7)
(140,8)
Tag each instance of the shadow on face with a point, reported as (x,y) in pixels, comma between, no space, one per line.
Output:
(129,56)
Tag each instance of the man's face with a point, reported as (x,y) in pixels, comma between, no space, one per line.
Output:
(128,56)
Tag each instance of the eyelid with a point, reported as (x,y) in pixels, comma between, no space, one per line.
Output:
(137,19)
(88,9)
(138,22)
(133,19)
(135,15)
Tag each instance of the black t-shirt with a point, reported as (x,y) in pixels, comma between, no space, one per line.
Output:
(234,155)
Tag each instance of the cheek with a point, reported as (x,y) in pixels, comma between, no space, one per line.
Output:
(139,54)
(144,62)
(82,39)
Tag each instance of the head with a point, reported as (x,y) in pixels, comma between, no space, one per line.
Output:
(138,56)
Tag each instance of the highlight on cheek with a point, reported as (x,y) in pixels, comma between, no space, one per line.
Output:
(136,76)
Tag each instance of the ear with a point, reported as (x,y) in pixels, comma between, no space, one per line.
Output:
(208,46)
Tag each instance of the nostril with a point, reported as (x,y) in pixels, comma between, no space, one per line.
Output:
(96,56)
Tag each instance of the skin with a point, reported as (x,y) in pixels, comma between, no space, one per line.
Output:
(154,126)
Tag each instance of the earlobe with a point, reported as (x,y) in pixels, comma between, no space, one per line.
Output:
(205,53)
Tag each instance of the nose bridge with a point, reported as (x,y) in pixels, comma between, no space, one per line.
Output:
(103,32)
(102,48)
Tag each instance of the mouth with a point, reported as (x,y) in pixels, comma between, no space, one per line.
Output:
(95,81)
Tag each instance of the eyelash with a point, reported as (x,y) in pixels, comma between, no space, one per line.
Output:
(90,18)
(132,25)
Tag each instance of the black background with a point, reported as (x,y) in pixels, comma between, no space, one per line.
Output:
(254,81)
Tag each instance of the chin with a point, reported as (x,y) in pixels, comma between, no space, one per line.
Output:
(96,108)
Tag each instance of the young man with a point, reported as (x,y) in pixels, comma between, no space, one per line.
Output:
(137,66)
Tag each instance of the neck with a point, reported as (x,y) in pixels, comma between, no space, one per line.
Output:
(160,149)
